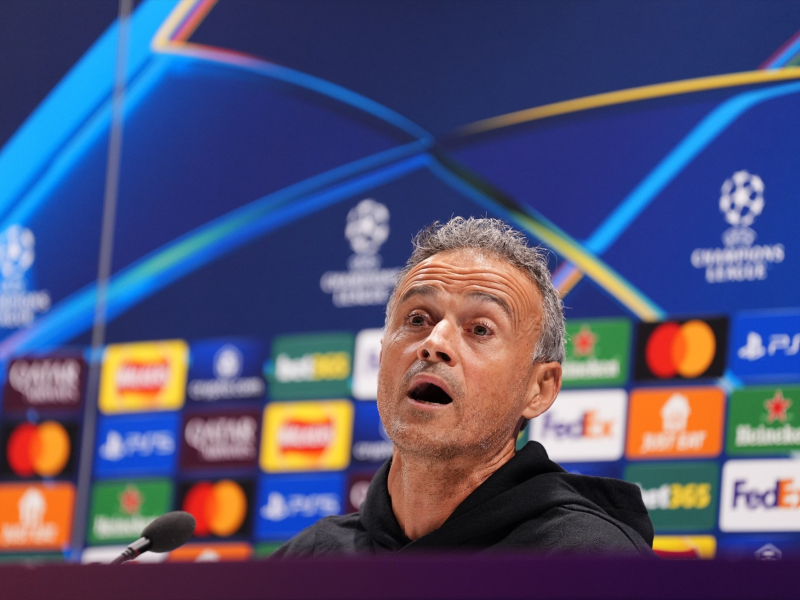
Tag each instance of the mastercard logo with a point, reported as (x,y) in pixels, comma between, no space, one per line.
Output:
(42,449)
(219,508)
(687,349)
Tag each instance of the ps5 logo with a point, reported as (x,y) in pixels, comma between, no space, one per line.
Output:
(754,348)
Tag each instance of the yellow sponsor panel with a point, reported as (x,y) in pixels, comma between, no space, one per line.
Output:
(685,546)
(307,436)
(144,376)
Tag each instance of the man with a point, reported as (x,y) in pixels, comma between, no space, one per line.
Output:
(472,350)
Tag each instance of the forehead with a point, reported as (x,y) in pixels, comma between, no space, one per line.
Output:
(469,271)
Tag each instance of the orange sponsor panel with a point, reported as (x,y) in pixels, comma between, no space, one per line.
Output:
(675,423)
(36,516)
(211,552)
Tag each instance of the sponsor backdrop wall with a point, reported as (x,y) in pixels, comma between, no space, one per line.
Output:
(268,164)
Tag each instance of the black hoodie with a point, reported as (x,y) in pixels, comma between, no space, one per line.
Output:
(529,504)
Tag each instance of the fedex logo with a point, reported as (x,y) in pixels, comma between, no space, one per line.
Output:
(785,494)
(590,424)
(760,495)
(583,426)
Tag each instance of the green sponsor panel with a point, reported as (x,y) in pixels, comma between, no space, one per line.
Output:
(311,366)
(121,509)
(598,353)
(764,420)
(266,548)
(32,559)
(680,496)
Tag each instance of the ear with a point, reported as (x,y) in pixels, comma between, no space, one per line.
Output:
(545,385)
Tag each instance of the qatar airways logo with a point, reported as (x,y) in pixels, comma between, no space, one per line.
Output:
(583,426)
(760,495)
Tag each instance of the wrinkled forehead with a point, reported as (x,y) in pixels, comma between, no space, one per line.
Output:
(470,272)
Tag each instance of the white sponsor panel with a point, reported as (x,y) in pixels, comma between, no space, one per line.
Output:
(583,426)
(366,363)
(760,495)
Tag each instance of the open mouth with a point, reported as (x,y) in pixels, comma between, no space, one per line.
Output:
(428,392)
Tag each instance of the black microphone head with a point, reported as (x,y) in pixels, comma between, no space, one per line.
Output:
(169,531)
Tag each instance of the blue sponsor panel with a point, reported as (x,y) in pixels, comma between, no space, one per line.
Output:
(144,444)
(226,369)
(763,547)
(371,444)
(287,504)
(765,346)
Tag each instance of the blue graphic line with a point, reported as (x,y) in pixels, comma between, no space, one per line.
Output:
(671,166)
(489,204)
(180,257)
(72,102)
(64,126)
(786,55)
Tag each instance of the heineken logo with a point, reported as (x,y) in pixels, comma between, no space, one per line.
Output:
(597,352)
(762,422)
(121,509)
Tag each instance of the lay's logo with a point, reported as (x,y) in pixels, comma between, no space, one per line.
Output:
(310,438)
(144,376)
(760,495)
(307,436)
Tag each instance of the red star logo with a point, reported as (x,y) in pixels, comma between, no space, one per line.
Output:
(777,407)
(130,500)
(584,341)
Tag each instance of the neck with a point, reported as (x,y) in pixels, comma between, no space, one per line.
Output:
(425,490)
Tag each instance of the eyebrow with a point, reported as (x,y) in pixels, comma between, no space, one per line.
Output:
(429,290)
(487,297)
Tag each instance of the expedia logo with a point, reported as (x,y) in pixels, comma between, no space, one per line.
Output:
(583,426)
(307,436)
(761,495)
(143,376)
(681,349)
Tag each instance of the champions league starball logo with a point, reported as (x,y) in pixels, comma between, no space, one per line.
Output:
(365,283)
(741,201)
(18,305)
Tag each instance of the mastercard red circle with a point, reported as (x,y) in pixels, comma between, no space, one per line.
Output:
(686,350)
(219,508)
(41,449)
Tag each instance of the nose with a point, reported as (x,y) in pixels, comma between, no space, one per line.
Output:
(438,346)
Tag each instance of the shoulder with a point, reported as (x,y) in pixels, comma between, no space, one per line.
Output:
(576,529)
(330,535)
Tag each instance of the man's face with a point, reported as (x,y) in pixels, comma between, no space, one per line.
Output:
(456,370)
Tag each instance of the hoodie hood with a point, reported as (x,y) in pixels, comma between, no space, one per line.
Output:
(524,488)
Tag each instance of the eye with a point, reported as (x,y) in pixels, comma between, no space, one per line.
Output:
(416,320)
(481,330)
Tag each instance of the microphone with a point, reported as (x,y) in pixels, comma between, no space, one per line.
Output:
(167,532)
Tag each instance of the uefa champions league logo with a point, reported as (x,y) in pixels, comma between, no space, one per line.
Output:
(16,252)
(367,226)
(741,201)
(18,304)
(365,283)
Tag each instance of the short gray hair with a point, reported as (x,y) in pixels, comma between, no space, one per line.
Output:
(497,238)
